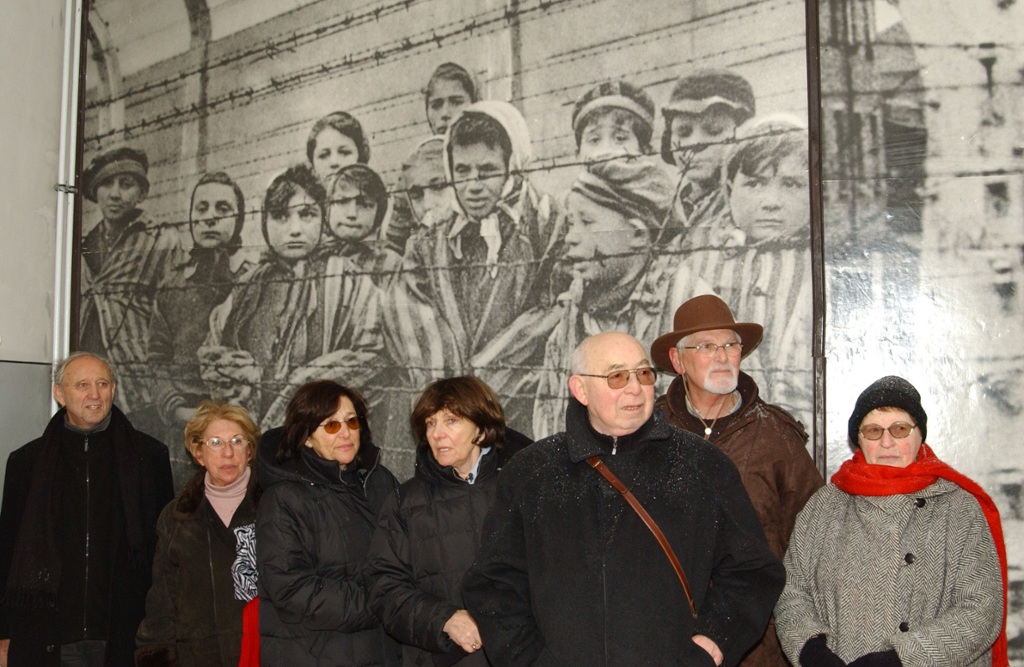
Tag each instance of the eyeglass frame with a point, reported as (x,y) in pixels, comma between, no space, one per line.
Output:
(352,423)
(219,448)
(709,349)
(887,428)
(634,371)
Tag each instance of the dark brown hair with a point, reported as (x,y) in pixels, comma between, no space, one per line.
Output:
(467,397)
(311,404)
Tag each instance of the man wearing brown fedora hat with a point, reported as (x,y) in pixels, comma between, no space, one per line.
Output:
(714,399)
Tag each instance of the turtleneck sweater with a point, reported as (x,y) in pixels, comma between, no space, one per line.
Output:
(226,499)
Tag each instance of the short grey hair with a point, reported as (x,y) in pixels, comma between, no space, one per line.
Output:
(61,366)
(685,341)
(578,358)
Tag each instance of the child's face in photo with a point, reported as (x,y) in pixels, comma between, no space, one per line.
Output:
(295,235)
(333,151)
(480,173)
(608,137)
(445,99)
(352,215)
(601,244)
(118,196)
(699,141)
(773,205)
(213,215)
(426,188)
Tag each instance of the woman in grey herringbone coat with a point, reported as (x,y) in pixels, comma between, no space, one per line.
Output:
(900,560)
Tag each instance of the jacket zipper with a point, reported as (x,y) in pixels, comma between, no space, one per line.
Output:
(615,444)
(213,580)
(85,590)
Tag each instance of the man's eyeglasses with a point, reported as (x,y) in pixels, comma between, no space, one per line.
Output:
(619,379)
(711,349)
(217,444)
(334,425)
(899,430)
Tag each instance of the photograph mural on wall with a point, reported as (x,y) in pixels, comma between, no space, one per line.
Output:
(286,193)
(279,191)
(922,108)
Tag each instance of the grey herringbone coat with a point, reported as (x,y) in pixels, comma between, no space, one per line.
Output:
(918,573)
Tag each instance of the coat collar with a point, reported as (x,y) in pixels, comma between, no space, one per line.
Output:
(584,441)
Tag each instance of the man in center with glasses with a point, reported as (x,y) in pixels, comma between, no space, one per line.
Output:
(713,399)
(569,573)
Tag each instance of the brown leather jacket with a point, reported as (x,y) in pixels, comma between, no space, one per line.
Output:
(768,446)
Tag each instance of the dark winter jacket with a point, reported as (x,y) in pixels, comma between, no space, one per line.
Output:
(191,611)
(139,469)
(568,574)
(769,449)
(313,531)
(421,550)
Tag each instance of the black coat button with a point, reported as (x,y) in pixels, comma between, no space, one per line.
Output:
(904,627)
(909,558)
(919,502)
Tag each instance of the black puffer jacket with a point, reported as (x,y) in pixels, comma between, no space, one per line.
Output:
(192,615)
(423,546)
(313,532)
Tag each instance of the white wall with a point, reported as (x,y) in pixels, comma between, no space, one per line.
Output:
(31,71)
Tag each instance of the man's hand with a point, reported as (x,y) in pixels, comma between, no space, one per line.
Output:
(4,645)
(462,629)
(710,646)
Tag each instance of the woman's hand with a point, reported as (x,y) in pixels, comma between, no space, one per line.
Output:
(462,629)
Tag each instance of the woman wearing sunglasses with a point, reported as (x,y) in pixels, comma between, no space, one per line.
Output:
(323,488)
(900,560)
(192,616)
(425,543)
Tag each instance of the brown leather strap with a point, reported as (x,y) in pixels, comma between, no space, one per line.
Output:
(600,467)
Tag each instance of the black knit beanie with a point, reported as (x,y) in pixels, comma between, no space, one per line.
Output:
(889,392)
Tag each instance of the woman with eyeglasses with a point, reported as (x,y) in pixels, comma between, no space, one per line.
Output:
(426,541)
(324,485)
(193,618)
(900,560)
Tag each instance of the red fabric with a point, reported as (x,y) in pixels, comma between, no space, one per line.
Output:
(250,634)
(858,477)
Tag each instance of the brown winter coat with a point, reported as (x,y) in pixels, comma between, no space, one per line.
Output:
(768,447)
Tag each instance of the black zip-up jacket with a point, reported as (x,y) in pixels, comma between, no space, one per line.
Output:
(421,550)
(313,531)
(118,604)
(568,574)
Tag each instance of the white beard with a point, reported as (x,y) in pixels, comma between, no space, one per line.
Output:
(721,385)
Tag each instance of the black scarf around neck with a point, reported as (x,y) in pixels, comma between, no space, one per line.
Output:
(35,572)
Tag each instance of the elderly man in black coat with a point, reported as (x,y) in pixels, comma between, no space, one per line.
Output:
(569,574)
(78,528)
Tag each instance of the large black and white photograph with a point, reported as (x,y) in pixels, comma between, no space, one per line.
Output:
(385,193)
(389,193)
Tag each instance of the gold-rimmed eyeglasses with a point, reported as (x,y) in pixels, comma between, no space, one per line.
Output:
(619,379)
(334,425)
(898,430)
(217,444)
(711,349)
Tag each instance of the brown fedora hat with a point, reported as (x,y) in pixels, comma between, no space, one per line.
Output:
(703,313)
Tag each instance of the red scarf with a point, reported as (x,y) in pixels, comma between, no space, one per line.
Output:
(858,477)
